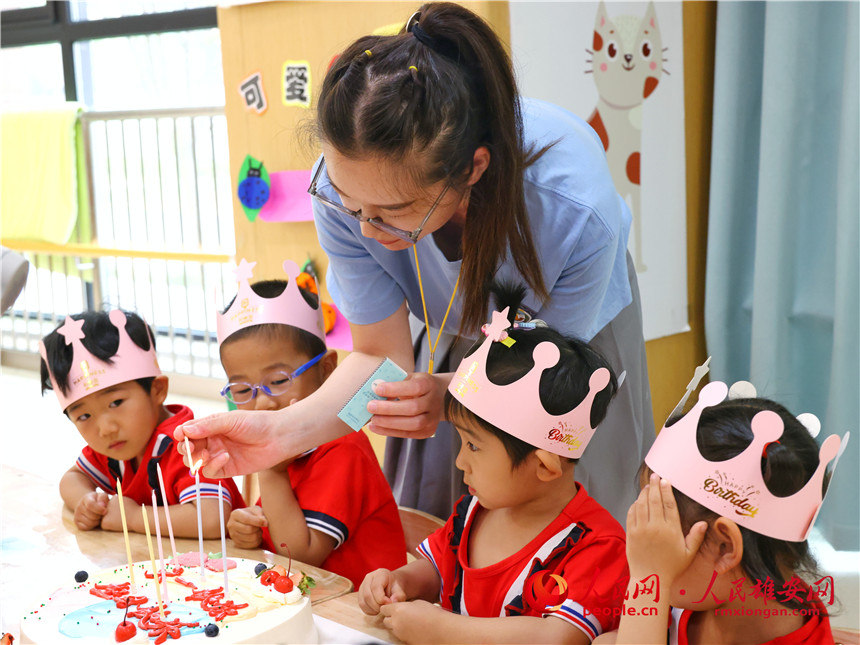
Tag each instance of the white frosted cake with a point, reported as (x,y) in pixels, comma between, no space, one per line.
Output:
(195,609)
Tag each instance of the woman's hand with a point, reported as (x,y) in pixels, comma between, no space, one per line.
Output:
(414,407)
(233,443)
(655,541)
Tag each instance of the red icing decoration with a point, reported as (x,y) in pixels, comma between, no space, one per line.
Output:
(170,574)
(598,42)
(117,593)
(212,602)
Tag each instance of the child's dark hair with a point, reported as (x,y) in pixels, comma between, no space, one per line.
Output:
(303,341)
(438,93)
(724,432)
(562,387)
(101,340)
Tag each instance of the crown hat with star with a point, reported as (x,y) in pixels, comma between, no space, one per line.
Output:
(516,408)
(88,373)
(289,308)
(735,488)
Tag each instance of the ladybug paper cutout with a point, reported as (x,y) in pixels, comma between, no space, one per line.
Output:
(254,187)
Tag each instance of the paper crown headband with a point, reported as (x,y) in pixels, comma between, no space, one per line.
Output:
(89,373)
(516,408)
(735,488)
(289,308)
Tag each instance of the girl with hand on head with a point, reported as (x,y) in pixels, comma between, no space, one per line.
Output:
(437,178)
(727,567)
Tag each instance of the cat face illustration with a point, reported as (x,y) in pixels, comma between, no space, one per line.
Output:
(628,57)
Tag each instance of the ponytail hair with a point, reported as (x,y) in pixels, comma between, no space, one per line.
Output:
(428,98)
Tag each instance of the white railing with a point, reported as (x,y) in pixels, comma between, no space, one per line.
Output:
(162,234)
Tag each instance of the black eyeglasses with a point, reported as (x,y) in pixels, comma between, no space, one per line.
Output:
(376,222)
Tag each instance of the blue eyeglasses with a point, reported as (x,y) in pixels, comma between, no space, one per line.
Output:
(274,384)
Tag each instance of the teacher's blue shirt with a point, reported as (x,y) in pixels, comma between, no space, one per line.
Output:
(579,226)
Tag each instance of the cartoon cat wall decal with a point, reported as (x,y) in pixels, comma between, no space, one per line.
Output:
(627,63)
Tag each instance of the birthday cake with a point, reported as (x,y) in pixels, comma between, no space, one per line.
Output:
(262,605)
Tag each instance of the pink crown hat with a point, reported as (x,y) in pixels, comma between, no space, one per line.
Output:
(289,308)
(516,408)
(735,488)
(90,374)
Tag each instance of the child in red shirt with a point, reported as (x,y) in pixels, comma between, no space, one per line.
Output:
(527,556)
(720,582)
(103,369)
(330,507)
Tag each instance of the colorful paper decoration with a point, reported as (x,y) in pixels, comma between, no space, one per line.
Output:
(252,92)
(289,200)
(296,83)
(254,187)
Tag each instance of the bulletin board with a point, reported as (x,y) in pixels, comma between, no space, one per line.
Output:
(271,46)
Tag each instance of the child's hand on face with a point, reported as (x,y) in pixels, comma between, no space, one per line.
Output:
(112,520)
(90,510)
(245,527)
(378,588)
(655,541)
(412,622)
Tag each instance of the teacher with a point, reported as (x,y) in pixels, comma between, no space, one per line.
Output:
(436,179)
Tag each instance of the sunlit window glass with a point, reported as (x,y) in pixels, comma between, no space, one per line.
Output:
(31,75)
(102,9)
(175,69)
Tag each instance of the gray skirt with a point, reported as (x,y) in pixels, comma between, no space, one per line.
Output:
(422,472)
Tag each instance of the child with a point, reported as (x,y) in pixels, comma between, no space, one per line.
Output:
(527,555)
(330,507)
(103,368)
(727,544)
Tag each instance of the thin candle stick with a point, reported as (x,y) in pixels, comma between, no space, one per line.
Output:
(223,540)
(167,513)
(152,560)
(200,528)
(125,532)
(160,549)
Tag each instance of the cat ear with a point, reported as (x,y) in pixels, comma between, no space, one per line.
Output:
(602,17)
(650,18)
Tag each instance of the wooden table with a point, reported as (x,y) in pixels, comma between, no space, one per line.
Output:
(344,610)
(40,547)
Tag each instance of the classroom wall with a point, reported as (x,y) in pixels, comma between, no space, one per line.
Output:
(262,36)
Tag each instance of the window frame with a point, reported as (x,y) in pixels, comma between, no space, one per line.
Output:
(53,24)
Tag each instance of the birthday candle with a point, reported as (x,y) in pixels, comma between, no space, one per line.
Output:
(200,527)
(160,549)
(125,531)
(166,512)
(223,541)
(152,560)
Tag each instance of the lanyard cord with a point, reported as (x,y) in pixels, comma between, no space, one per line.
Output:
(431,344)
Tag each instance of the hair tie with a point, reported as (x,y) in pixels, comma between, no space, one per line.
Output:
(368,52)
(413,67)
(441,46)
(764,450)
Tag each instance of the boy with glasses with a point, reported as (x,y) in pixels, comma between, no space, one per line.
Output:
(331,506)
